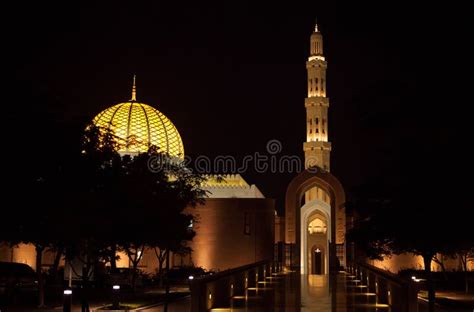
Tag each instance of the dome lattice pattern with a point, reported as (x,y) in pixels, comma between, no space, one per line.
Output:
(138,126)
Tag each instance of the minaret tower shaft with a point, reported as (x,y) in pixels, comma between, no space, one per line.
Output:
(317,148)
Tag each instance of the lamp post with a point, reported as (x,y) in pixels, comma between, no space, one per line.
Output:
(115,297)
(67,303)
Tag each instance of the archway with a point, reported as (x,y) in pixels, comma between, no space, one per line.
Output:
(296,217)
(315,230)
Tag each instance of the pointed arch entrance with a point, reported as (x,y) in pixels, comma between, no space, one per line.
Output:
(315,235)
(298,220)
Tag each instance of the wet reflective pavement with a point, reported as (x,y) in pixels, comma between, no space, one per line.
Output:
(295,292)
(303,293)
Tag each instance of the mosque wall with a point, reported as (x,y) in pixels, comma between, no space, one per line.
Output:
(232,232)
(397,263)
(25,253)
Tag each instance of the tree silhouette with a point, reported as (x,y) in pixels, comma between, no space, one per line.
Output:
(91,202)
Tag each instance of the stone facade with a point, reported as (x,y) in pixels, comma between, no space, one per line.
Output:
(232,232)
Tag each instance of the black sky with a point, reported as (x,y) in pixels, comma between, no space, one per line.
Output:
(231,75)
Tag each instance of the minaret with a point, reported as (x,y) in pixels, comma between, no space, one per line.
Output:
(317,148)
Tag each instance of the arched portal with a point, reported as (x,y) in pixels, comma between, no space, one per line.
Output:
(315,230)
(298,216)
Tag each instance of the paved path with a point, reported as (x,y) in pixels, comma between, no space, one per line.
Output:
(299,293)
(307,293)
(183,305)
(294,292)
(304,293)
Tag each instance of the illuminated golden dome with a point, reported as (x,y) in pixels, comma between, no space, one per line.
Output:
(138,126)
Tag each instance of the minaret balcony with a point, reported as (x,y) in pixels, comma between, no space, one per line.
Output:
(316,57)
(316,145)
(316,101)
(316,62)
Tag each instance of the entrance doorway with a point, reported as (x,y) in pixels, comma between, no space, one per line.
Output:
(317,267)
(315,238)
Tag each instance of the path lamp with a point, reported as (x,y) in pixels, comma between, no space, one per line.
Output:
(115,297)
(67,303)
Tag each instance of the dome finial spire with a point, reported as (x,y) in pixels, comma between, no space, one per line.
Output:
(134,89)
(316,25)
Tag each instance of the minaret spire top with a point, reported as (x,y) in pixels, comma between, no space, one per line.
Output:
(316,25)
(134,89)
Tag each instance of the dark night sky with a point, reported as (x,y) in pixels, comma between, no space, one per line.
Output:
(231,75)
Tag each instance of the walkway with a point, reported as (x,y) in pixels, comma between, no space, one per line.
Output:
(293,292)
(183,305)
(303,293)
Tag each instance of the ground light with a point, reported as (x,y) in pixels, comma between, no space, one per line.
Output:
(67,300)
(115,297)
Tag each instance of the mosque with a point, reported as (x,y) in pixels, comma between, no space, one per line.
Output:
(229,231)
(237,224)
